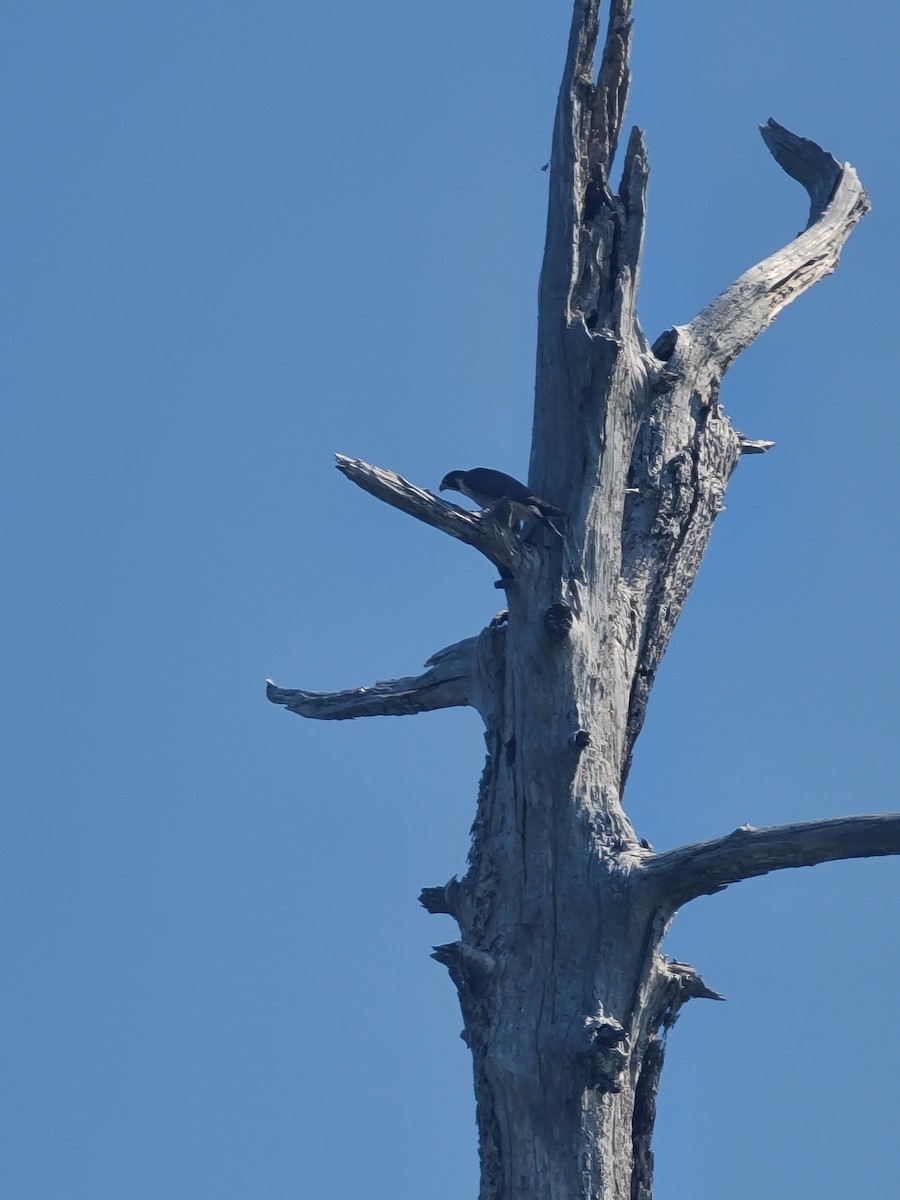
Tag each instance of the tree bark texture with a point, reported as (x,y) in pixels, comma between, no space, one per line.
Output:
(565,993)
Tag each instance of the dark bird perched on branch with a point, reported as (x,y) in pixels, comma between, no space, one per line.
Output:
(489,488)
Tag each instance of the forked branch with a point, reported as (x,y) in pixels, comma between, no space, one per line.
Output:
(449,683)
(583,257)
(494,540)
(613,81)
(701,868)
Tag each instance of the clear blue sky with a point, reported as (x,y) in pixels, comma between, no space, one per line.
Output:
(238,238)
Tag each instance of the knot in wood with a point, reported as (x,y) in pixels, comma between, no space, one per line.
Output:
(558,621)
(469,967)
(605,1031)
(606,1053)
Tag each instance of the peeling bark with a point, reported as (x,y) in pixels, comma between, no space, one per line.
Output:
(566,997)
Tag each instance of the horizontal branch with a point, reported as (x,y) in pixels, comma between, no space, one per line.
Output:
(837,201)
(493,540)
(702,868)
(758,446)
(448,683)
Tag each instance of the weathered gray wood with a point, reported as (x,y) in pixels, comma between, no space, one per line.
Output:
(754,447)
(448,684)
(730,323)
(701,868)
(494,539)
(565,993)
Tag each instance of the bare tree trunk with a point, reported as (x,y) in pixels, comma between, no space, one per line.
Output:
(566,997)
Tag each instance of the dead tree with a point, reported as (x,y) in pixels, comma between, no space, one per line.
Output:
(565,993)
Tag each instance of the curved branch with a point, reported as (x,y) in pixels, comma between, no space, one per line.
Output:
(837,201)
(480,530)
(686,448)
(702,868)
(448,684)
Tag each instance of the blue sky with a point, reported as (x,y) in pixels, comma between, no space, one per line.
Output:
(237,239)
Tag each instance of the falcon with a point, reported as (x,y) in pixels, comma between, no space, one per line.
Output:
(488,488)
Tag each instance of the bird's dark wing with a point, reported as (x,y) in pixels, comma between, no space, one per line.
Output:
(484,481)
(486,486)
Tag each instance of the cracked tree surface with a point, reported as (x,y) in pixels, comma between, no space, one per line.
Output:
(565,992)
